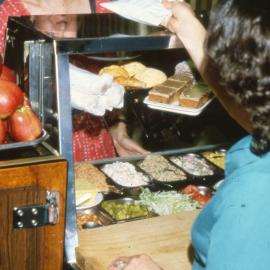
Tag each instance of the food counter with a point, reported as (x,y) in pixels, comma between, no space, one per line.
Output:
(166,239)
(49,78)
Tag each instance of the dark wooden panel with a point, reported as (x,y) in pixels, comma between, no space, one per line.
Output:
(36,248)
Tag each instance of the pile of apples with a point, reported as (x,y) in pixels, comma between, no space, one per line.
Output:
(18,123)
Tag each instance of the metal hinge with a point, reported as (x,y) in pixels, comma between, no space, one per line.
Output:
(31,216)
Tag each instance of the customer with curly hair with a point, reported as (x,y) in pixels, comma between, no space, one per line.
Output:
(232,232)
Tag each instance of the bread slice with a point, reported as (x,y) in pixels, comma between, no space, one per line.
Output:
(88,177)
(195,96)
(151,77)
(130,82)
(168,91)
(115,71)
(134,68)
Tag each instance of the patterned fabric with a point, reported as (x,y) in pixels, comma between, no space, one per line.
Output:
(91,138)
(99,8)
(9,8)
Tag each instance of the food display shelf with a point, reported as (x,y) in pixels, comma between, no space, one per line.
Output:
(19,145)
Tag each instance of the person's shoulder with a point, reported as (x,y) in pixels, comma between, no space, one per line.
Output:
(251,189)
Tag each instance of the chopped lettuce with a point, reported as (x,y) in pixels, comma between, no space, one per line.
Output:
(167,202)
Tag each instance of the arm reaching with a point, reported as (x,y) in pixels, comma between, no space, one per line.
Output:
(123,144)
(193,36)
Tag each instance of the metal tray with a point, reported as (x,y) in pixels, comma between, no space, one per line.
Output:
(104,218)
(43,137)
(127,201)
(128,190)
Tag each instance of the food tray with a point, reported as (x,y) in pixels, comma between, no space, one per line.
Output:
(125,202)
(131,190)
(216,155)
(44,135)
(103,218)
(152,172)
(196,165)
(174,108)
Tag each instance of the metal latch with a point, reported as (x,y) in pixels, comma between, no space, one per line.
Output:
(31,216)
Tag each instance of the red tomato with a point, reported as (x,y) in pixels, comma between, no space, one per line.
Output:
(202,199)
(3,131)
(7,74)
(190,189)
(24,125)
(11,97)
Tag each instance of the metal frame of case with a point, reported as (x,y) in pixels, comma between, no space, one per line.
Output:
(49,86)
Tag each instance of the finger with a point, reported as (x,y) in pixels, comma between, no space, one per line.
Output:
(133,146)
(167,4)
(119,263)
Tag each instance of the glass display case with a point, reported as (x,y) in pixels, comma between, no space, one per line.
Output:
(41,62)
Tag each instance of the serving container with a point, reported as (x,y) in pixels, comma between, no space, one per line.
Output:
(126,211)
(102,218)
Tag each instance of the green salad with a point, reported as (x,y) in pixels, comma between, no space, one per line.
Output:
(167,202)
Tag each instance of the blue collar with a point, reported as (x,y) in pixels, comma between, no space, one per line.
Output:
(239,156)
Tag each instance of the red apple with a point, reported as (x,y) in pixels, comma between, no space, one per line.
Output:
(11,97)
(7,74)
(24,125)
(1,63)
(3,131)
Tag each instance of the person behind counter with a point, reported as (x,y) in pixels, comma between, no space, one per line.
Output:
(36,7)
(233,230)
(93,137)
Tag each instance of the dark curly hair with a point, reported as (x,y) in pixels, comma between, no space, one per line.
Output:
(238,46)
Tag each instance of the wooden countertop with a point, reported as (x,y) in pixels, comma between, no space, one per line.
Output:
(166,239)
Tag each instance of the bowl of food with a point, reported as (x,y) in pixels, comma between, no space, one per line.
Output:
(89,200)
(201,194)
(125,209)
(92,218)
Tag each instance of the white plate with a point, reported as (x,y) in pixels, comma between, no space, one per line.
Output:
(176,108)
(98,200)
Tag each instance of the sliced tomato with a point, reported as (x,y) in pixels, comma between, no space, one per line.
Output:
(202,199)
(189,189)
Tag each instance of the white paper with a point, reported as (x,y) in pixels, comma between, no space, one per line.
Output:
(151,12)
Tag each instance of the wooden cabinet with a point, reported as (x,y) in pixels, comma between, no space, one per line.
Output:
(28,185)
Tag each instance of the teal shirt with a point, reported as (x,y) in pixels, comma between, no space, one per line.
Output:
(232,232)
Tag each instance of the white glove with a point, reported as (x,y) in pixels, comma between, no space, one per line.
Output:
(94,93)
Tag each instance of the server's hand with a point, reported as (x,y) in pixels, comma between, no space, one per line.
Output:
(189,30)
(123,144)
